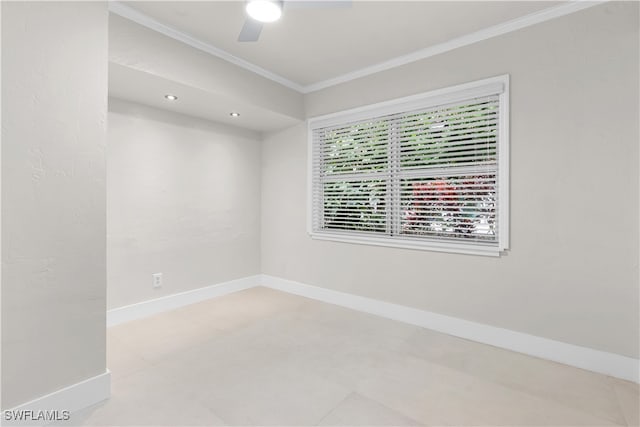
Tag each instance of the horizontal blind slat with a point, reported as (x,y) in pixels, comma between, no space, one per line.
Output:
(446,161)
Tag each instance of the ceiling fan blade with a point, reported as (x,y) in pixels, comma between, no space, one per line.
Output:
(317,4)
(250,31)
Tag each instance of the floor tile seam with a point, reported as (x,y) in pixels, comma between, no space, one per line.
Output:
(619,402)
(607,420)
(389,408)
(532,393)
(401,411)
(330,411)
(133,352)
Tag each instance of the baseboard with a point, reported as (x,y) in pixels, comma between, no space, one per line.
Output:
(602,362)
(72,398)
(170,302)
(611,364)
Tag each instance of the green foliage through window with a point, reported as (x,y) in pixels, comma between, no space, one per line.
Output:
(429,173)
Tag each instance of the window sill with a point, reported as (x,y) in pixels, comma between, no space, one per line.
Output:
(457,248)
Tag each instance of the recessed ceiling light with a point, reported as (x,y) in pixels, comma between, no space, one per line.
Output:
(234,114)
(171,97)
(264,10)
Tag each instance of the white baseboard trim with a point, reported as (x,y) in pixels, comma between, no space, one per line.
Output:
(143,309)
(602,362)
(611,364)
(72,398)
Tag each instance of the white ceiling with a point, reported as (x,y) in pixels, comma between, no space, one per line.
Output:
(307,50)
(308,46)
(149,89)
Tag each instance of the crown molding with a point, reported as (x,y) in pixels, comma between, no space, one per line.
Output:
(466,40)
(131,14)
(538,17)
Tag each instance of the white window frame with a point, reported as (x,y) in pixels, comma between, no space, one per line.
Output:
(498,85)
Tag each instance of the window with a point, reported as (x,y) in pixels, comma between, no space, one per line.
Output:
(426,172)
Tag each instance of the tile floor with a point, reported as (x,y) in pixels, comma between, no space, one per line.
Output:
(263,357)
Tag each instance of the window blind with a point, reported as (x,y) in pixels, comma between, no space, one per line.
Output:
(427,175)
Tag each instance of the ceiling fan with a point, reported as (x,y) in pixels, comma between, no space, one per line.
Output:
(260,12)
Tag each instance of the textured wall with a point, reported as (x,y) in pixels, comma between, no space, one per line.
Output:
(183,199)
(572,271)
(54,106)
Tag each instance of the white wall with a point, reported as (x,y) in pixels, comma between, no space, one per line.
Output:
(183,198)
(572,272)
(54,106)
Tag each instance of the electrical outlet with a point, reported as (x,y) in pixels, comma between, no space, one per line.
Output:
(156,280)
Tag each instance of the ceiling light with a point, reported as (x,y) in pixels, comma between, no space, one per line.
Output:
(264,10)
(171,97)
(234,114)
